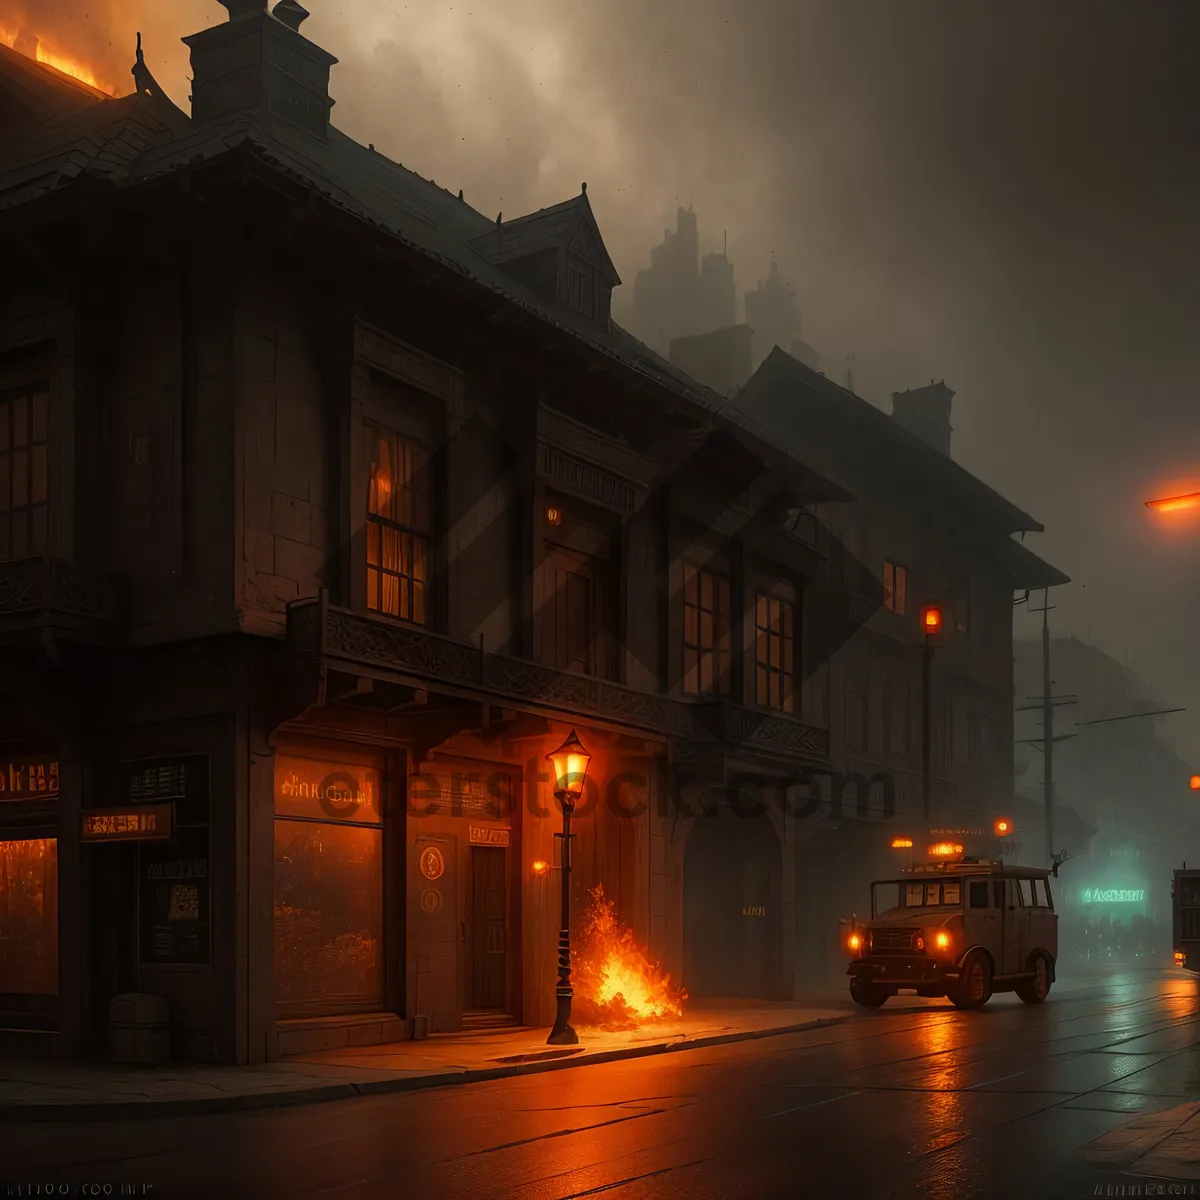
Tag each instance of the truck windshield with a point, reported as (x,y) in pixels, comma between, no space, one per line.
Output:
(910,894)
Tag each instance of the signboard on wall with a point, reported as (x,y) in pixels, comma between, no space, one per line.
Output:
(1112,895)
(483,835)
(29,778)
(174,886)
(145,823)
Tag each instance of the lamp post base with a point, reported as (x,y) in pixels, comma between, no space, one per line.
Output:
(562,1034)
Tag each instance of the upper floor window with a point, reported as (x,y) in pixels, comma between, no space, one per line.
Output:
(24,473)
(398,527)
(706,632)
(895,588)
(775,653)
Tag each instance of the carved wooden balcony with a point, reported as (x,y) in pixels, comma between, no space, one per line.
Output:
(54,594)
(345,640)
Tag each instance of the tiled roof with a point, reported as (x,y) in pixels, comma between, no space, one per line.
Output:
(42,90)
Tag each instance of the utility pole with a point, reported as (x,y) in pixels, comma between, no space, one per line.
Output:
(1048,727)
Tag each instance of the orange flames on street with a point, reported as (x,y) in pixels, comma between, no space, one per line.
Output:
(32,46)
(616,985)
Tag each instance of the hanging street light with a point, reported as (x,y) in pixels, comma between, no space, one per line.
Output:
(570,763)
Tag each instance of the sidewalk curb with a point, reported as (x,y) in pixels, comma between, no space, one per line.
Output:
(251,1101)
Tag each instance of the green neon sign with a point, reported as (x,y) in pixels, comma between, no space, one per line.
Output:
(1112,896)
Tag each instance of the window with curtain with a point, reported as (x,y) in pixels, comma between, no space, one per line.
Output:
(24,472)
(398,527)
(775,653)
(706,632)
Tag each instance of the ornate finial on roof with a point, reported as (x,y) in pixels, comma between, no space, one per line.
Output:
(499,218)
(243,8)
(290,13)
(460,196)
(583,189)
(142,79)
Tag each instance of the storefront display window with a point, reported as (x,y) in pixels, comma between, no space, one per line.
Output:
(328,887)
(29,917)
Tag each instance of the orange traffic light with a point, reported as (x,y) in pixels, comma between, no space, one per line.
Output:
(1002,827)
(1194,783)
(931,619)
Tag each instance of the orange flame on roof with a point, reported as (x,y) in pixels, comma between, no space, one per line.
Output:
(52,55)
(616,985)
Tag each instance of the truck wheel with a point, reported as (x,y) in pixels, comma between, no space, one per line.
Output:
(1035,990)
(974,987)
(868,995)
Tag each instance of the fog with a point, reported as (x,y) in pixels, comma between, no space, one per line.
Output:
(1003,195)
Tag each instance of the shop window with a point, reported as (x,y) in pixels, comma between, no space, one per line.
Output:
(775,653)
(706,632)
(398,527)
(24,473)
(29,917)
(328,887)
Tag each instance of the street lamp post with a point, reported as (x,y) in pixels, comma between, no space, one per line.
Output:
(931,626)
(570,762)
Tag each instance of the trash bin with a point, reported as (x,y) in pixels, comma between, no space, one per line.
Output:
(139,1029)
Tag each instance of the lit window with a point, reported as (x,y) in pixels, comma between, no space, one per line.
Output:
(706,632)
(24,473)
(29,917)
(775,653)
(397,528)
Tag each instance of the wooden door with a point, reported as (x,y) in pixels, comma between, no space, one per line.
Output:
(489,927)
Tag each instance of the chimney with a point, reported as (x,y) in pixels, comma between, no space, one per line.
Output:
(258,61)
(926,412)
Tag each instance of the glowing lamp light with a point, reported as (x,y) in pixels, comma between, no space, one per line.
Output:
(540,867)
(1194,783)
(1175,503)
(901,843)
(944,850)
(854,941)
(553,516)
(941,940)
(1180,958)
(931,620)
(1003,827)
(570,762)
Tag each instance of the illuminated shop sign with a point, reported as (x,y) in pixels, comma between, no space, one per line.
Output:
(146,823)
(1112,896)
(28,778)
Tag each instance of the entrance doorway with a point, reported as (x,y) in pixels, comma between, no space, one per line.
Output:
(732,894)
(488,942)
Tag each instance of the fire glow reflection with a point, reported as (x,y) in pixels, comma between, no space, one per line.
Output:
(616,985)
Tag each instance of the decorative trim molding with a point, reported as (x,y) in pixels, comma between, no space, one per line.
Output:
(378,349)
(584,479)
(53,586)
(315,628)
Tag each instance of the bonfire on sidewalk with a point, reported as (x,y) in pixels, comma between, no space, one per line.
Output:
(616,986)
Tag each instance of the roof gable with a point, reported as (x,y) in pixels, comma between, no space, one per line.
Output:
(32,92)
(570,225)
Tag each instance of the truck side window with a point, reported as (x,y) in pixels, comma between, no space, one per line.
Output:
(1038,887)
(1019,892)
(998,892)
(979,897)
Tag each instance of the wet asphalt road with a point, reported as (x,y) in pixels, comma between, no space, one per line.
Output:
(916,1100)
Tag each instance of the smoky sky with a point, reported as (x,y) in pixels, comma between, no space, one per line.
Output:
(1003,195)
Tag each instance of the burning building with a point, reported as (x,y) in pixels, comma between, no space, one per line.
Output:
(328,505)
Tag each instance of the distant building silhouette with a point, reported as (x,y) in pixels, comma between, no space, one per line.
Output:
(771,312)
(720,359)
(679,295)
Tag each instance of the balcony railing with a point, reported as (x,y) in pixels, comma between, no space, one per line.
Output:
(49,591)
(317,630)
